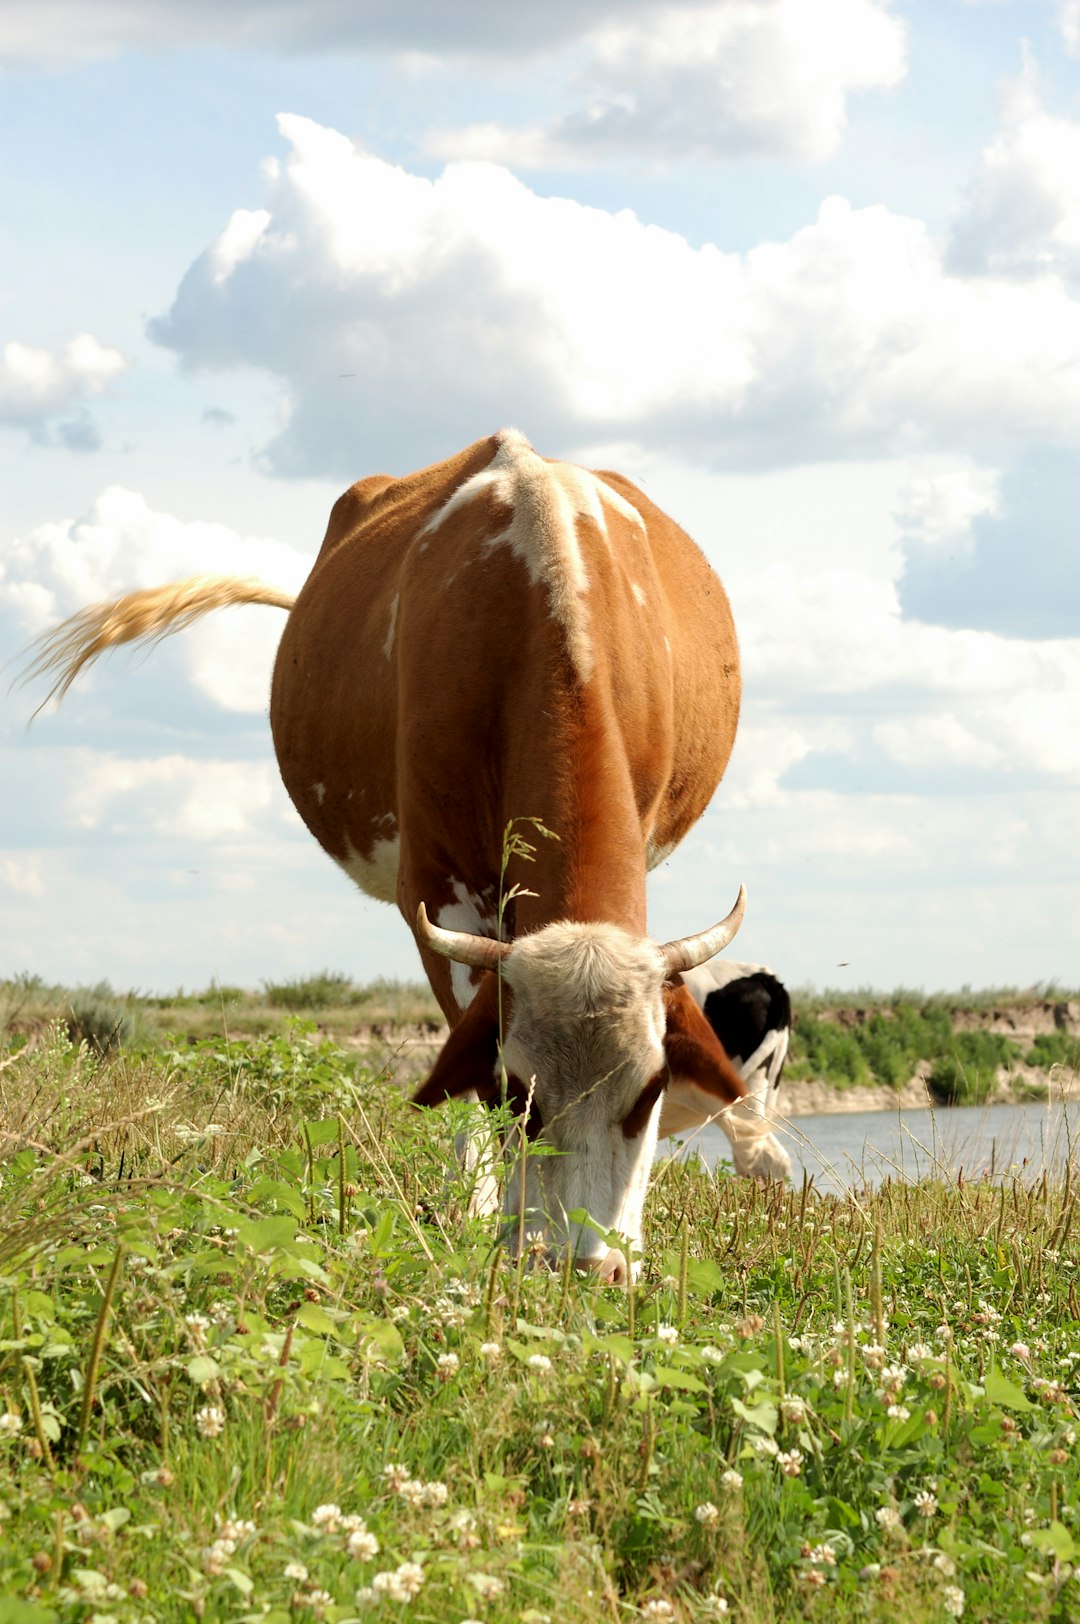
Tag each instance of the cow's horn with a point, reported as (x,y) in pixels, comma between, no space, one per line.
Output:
(459,945)
(694,950)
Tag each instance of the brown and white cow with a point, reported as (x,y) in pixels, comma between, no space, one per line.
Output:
(495,637)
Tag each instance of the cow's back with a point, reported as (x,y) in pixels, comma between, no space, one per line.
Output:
(499,636)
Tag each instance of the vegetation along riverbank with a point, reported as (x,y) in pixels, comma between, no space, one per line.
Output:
(865,1052)
(258,1363)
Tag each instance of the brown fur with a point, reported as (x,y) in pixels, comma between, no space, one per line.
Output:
(479,715)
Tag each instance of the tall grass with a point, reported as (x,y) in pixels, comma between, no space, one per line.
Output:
(257,1362)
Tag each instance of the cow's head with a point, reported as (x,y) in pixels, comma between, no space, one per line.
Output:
(594,1020)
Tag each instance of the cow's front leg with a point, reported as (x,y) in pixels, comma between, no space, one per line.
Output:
(756,1152)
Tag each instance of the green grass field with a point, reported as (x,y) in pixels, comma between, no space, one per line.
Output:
(257,1363)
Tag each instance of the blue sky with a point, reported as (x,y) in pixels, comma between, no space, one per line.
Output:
(810,273)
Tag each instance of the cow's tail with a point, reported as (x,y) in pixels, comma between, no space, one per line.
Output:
(76,643)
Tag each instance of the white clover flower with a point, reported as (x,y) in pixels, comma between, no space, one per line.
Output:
(402,1584)
(898,1412)
(887,1517)
(926,1503)
(713,1606)
(395,1475)
(920,1351)
(540,1363)
(10,1425)
(839,1378)
(765,1446)
(793,1409)
(667,1333)
(874,1356)
(490,1350)
(196,1322)
(216,1555)
(944,1564)
(295,1570)
(707,1514)
(435,1494)
(712,1356)
(1020,1350)
(824,1556)
(486,1585)
(731,1480)
(326,1517)
(210,1421)
(410,1576)
(790,1462)
(362,1545)
(236,1528)
(658,1608)
(412,1492)
(386,1584)
(447,1366)
(953,1600)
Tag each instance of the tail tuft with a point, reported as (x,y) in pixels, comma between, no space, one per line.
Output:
(154,613)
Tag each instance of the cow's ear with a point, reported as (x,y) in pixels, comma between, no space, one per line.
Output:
(703,1080)
(467,1060)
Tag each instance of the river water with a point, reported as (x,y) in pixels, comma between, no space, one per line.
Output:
(850,1150)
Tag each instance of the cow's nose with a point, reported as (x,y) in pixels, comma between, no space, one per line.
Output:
(610,1269)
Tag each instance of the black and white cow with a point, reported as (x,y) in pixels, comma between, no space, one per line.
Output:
(750,1012)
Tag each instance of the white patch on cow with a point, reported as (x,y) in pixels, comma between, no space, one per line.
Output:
(546,499)
(638,593)
(655,855)
(389,644)
(319,792)
(465,913)
(376,874)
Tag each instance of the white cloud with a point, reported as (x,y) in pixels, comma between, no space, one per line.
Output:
(937,741)
(404,312)
(1069,23)
(841,631)
(768,746)
(1022,215)
(22,875)
(724,80)
(122,545)
(937,505)
(46,31)
(174,796)
(37,386)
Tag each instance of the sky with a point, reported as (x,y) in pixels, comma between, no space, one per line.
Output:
(809,273)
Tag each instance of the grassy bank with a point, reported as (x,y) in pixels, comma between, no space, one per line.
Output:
(256,1362)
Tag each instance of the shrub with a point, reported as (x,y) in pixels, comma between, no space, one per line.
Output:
(96,1017)
(1054,1049)
(329,987)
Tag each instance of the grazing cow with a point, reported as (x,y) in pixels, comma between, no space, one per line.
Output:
(750,1012)
(500,636)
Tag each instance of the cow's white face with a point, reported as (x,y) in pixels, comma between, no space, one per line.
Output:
(586,1021)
